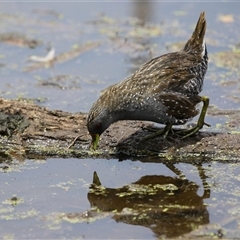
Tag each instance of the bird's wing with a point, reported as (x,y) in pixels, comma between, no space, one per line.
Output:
(180,106)
(169,72)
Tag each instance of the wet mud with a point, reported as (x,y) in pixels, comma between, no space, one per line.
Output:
(35,130)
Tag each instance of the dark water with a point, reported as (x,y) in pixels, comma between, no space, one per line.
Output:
(54,198)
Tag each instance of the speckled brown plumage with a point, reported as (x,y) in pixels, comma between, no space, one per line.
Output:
(164,90)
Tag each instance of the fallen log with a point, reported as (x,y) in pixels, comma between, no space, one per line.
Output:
(30,131)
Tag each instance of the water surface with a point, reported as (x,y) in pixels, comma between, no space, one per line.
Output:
(55,198)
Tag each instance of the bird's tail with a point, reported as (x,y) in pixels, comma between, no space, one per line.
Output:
(196,44)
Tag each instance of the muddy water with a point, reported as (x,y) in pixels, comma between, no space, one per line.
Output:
(144,198)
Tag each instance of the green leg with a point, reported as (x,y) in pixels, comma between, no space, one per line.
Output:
(186,133)
(200,122)
(162,132)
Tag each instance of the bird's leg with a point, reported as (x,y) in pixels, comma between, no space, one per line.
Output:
(203,176)
(200,122)
(175,170)
(162,132)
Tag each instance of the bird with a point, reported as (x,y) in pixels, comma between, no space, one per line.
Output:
(164,90)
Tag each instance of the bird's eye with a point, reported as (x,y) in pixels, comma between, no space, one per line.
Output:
(98,125)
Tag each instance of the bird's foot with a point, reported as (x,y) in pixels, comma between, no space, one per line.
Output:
(189,132)
(162,132)
(200,123)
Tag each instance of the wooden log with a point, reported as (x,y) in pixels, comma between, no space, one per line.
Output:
(31,131)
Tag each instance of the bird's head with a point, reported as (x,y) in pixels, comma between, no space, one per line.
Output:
(98,121)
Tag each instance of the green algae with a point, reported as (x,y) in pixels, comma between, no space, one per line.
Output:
(14,201)
(12,215)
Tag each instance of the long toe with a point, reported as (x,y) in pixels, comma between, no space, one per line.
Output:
(162,132)
(189,132)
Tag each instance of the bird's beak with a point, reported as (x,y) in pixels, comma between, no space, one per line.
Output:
(95,140)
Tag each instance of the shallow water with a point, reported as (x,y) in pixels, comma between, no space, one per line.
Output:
(53,198)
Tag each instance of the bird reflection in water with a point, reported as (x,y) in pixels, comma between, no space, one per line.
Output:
(169,206)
